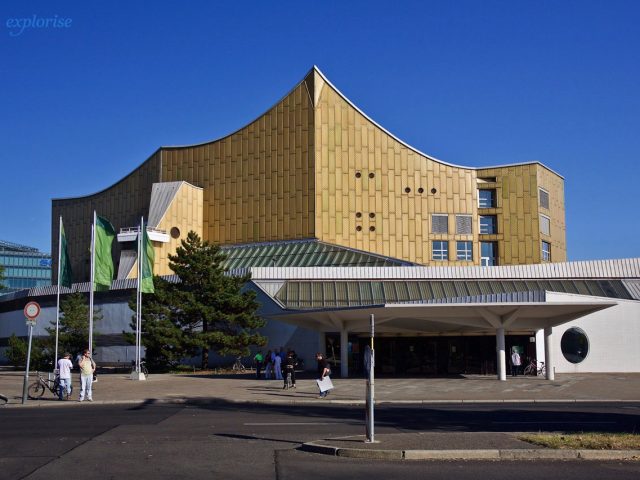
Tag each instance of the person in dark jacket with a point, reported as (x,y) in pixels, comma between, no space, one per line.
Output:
(323,371)
(289,367)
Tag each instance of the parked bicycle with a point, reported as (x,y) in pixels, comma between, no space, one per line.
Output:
(535,369)
(238,366)
(36,389)
(143,367)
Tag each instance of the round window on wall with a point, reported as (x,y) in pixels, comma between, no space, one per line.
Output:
(574,345)
(175,232)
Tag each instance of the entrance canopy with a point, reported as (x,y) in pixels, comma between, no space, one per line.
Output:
(444,318)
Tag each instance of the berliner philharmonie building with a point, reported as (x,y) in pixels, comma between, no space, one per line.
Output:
(338,220)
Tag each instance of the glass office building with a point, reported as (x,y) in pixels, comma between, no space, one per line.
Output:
(24,267)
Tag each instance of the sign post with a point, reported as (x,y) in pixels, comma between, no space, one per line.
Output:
(369,358)
(31,312)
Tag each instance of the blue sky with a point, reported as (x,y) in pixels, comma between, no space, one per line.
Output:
(474,83)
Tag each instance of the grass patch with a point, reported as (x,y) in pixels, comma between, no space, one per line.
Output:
(589,441)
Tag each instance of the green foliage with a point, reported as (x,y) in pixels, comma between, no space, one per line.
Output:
(205,310)
(17,353)
(73,331)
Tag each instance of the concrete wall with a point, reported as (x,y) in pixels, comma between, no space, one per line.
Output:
(613,336)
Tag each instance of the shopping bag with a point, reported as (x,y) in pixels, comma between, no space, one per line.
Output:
(325,384)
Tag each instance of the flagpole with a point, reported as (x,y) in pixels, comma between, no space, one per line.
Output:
(55,358)
(93,274)
(139,303)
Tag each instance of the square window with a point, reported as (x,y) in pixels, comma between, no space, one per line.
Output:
(440,250)
(545,225)
(488,224)
(464,250)
(439,223)
(487,198)
(546,252)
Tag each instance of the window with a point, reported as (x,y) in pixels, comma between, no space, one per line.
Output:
(464,250)
(544,198)
(488,224)
(488,253)
(439,223)
(574,345)
(545,225)
(487,198)
(440,250)
(464,224)
(546,252)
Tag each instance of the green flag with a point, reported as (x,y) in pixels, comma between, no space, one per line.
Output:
(148,256)
(103,263)
(65,262)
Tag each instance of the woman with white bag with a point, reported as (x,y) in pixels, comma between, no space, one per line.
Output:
(324,372)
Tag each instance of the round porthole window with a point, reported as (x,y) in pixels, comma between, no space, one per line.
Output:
(574,345)
(358,228)
(421,190)
(371,175)
(358,174)
(175,232)
(358,215)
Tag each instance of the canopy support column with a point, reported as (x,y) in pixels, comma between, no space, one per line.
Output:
(548,358)
(500,350)
(344,353)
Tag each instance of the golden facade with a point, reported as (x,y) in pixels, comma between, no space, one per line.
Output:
(315,166)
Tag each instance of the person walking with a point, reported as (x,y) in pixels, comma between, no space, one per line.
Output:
(290,369)
(277,366)
(323,371)
(268,369)
(258,359)
(516,361)
(87,367)
(64,373)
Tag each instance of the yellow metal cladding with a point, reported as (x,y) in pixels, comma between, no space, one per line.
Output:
(122,204)
(184,214)
(258,182)
(315,166)
(377,194)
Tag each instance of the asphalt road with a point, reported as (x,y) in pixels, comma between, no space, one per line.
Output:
(243,441)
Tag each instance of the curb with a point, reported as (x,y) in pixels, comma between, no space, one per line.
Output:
(507,454)
(306,401)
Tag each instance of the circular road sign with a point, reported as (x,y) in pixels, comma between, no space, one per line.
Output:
(32,310)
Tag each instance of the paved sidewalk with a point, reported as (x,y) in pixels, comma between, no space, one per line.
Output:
(118,388)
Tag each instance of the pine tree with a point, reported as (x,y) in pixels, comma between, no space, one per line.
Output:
(73,331)
(205,310)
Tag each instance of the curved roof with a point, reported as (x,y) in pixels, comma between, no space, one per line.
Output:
(316,70)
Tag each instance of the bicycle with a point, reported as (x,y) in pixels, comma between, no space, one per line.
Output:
(238,365)
(288,382)
(534,370)
(143,367)
(36,389)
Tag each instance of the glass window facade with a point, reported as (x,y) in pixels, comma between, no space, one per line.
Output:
(546,252)
(24,267)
